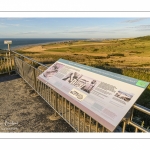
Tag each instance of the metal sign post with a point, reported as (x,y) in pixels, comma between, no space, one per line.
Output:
(9,54)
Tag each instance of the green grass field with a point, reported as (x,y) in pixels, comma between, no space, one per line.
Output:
(116,53)
(130,57)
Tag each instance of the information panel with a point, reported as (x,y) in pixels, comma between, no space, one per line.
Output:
(103,95)
(7,42)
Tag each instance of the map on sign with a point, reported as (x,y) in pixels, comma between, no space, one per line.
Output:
(103,95)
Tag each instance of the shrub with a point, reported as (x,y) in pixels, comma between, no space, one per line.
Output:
(115,54)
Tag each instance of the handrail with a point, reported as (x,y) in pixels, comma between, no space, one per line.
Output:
(138,127)
(142,108)
(29,58)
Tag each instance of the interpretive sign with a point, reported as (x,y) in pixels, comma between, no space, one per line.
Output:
(103,95)
(7,42)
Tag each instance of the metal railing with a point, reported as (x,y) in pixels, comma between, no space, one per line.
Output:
(30,69)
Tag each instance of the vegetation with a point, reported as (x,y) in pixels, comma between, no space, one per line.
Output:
(130,57)
(116,53)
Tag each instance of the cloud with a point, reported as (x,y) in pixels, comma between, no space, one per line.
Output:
(134,20)
(16,25)
(140,27)
(6,24)
(119,30)
(143,29)
(78,30)
(86,31)
(82,32)
(28,32)
(72,32)
(143,26)
(7,19)
(2,26)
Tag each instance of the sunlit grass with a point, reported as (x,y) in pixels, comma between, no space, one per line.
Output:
(120,56)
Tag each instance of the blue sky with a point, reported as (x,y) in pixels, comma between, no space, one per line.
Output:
(74,27)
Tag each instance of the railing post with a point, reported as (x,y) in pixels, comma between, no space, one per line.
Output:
(7,62)
(127,119)
(136,129)
(9,58)
(15,65)
(22,70)
(55,103)
(124,126)
(132,110)
(34,76)
(103,129)
(55,116)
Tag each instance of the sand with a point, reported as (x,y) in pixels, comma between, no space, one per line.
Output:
(34,49)
(22,110)
(41,48)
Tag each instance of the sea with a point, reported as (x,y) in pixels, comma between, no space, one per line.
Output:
(21,42)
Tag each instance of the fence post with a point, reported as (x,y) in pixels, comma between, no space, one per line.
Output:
(14,63)
(55,116)
(9,58)
(7,62)
(22,70)
(34,76)
(56,104)
(124,126)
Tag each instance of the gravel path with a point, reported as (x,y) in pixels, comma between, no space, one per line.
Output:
(22,110)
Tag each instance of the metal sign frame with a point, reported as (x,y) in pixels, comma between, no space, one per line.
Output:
(107,97)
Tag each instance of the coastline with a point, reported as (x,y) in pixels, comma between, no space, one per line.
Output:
(22,47)
(28,43)
(39,46)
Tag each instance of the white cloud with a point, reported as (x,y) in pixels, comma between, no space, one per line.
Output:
(6,24)
(29,32)
(134,20)
(140,27)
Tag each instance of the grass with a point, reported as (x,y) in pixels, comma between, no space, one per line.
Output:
(127,57)
(118,53)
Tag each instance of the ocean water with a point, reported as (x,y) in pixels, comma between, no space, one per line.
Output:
(20,42)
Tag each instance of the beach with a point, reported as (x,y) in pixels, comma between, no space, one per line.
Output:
(19,43)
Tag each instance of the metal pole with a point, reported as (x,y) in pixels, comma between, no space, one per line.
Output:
(90,125)
(7,59)
(35,81)
(124,126)
(96,126)
(9,49)
(84,123)
(78,120)
(56,104)
(10,57)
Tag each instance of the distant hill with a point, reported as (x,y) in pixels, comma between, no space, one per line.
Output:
(144,38)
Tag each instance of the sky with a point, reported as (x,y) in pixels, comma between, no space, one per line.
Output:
(74,27)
